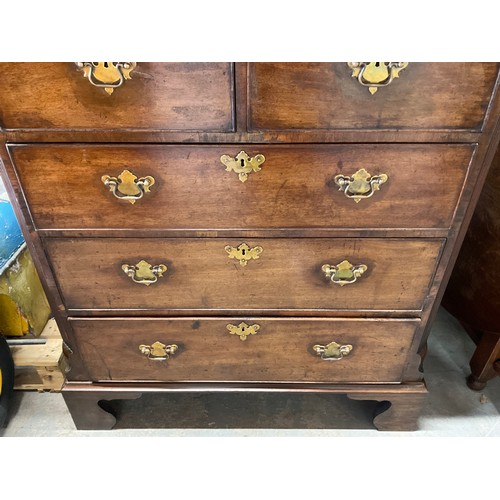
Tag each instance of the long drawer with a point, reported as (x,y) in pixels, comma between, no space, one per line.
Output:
(333,96)
(262,274)
(174,96)
(190,187)
(279,350)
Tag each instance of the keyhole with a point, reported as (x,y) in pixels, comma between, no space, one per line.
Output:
(242,162)
(105,64)
(243,251)
(377,64)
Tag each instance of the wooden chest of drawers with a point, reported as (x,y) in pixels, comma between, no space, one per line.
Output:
(263,226)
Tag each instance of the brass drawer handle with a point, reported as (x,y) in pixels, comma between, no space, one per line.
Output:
(243,330)
(332,351)
(144,273)
(127,186)
(344,273)
(243,253)
(108,75)
(360,185)
(376,74)
(242,164)
(158,351)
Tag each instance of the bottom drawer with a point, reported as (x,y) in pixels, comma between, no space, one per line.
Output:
(225,350)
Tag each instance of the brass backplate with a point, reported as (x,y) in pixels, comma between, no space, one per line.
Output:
(243,253)
(344,273)
(332,351)
(360,185)
(243,330)
(158,351)
(243,164)
(144,273)
(127,186)
(108,75)
(376,74)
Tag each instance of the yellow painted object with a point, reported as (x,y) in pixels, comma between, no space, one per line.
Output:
(23,304)
(13,323)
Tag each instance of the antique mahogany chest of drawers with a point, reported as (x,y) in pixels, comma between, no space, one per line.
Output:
(261,226)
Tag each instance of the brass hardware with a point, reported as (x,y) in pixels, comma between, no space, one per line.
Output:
(376,74)
(242,164)
(360,185)
(158,351)
(127,186)
(332,351)
(144,273)
(343,273)
(243,330)
(243,253)
(108,75)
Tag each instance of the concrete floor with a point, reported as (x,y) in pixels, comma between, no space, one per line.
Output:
(451,410)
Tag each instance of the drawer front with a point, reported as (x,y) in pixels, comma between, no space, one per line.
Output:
(280,350)
(400,186)
(200,274)
(327,96)
(173,96)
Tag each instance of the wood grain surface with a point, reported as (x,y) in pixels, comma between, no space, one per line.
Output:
(295,187)
(201,275)
(280,351)
(172,96)
(325,96)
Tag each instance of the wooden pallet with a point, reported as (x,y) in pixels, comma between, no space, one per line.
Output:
(40,367)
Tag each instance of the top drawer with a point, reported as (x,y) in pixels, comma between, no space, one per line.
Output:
(327,96)
(169,96)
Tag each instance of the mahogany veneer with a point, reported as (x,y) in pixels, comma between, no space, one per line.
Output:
(281,351)
(294,189)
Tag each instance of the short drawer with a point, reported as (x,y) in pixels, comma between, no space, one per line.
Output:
(336,96)
(189,187)
(243,275)
(169,96)
(278,350)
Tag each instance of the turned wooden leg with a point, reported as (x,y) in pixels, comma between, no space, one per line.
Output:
(86,411)
(484,361)
(475,384)
(398,410)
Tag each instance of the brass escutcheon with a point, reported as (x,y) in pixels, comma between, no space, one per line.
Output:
(360,185)
(242,164)
(243,253)
(344,273)
(144,273)
(127,186)
(376,74)
(158,351)
(243,330)
(332,351)
(108,75)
